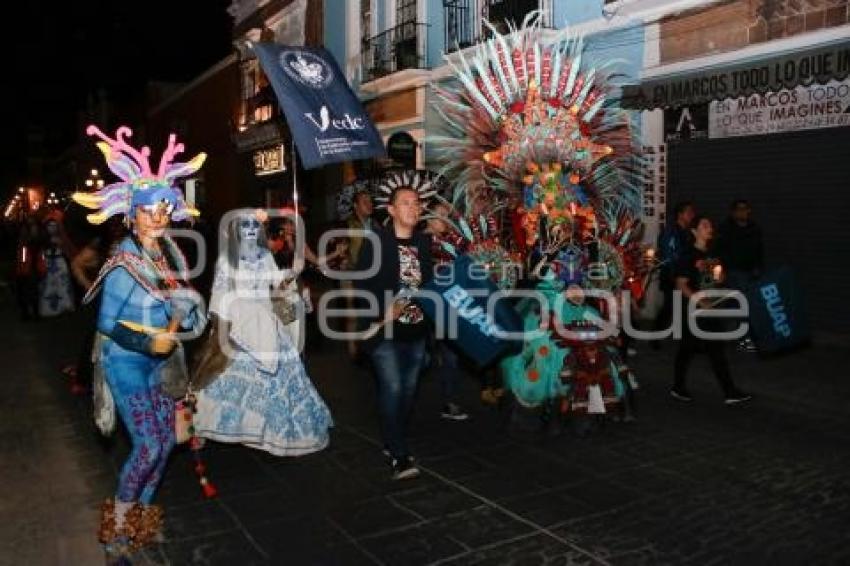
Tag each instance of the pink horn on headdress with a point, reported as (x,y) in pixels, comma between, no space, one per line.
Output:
(120,145)
(169,154)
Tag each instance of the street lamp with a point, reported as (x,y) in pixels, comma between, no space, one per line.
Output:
(94,179)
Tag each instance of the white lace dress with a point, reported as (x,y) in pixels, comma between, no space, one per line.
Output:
(263,399)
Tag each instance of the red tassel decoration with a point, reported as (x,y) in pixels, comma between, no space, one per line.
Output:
(210,492)
(195,445)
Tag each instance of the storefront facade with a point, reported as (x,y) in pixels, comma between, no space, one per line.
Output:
(768,120)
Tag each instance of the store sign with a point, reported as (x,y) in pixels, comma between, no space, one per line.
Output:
(269,160)
(788,110)
(685,123)
(257,136)
(818,65)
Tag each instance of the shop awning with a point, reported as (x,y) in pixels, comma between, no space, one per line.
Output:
(771,74)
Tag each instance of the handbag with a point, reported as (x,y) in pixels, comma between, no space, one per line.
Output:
(210,361)
(173,374)
(283,306)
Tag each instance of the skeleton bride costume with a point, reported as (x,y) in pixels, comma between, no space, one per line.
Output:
(263,397)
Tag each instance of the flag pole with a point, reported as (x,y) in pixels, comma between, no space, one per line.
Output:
(294,177)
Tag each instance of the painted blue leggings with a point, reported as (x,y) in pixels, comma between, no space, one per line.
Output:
(147,413)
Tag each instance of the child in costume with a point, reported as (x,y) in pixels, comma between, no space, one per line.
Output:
(145,299)
(263,398)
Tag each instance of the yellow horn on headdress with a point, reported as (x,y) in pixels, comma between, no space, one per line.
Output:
(197,161)
(97,218)
(104,149)
(88,200)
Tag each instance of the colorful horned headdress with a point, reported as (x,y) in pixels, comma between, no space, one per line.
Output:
(139,184)
(521,100)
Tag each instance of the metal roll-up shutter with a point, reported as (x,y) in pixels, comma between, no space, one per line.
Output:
(799,186)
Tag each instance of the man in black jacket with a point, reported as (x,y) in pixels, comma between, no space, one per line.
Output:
(397,349)
(740,249)
(673,241)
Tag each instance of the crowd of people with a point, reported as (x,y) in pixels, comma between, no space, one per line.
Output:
(560,220)
(694,258)
(258,392)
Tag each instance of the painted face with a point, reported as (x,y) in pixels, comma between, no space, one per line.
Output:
(152,219)
(249,230)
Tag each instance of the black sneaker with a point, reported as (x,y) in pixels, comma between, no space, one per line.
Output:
(681,394)
(737,397)
(404,469)
(453,412)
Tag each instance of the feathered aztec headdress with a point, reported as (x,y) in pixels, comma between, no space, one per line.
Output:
(425,183)
(139,184)
(519,101)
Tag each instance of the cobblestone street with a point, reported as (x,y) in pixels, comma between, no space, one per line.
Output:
(685,484)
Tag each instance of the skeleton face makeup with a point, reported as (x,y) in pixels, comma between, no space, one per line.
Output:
(249,230)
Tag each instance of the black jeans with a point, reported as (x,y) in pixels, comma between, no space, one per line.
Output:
(689,347)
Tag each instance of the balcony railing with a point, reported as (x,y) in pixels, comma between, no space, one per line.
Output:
(464,19)
(398,48)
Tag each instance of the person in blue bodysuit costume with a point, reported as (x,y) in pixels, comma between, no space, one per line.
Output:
(146,300)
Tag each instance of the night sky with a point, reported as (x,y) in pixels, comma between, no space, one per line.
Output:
(60,52)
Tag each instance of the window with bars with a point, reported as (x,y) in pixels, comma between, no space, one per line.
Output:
(258,101)
(458,24)
(405,11)
(365,20)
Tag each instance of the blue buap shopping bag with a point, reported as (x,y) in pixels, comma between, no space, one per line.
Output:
(778,319)
(457,298)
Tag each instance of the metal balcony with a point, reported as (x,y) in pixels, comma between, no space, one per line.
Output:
(464,18)
(396,49)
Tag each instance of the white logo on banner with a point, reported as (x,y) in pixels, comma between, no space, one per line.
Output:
(801,108)
(306,68)
(324,122)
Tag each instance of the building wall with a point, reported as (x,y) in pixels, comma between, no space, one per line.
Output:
(203,115)
(575,12)
(436,45)
(738,24)
(336,32)
(621,48)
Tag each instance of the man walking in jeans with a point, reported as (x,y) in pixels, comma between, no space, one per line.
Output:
(397,350)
